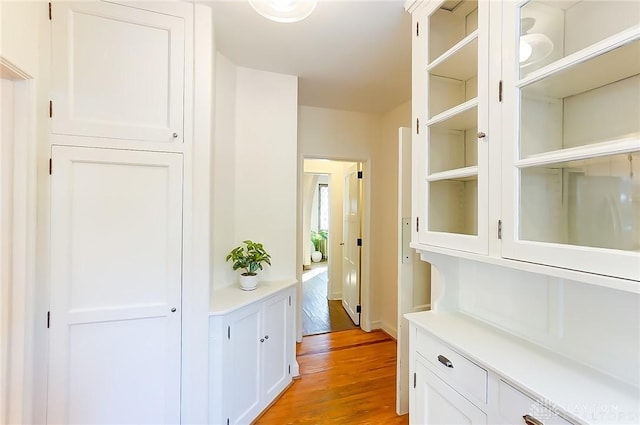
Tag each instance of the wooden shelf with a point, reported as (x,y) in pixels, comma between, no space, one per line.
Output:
(608,148)
(459,174)
(460,117)
(459,62)
(606,62)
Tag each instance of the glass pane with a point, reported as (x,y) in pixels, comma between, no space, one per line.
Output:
(551,30)
(594,202)
(452,149)
(453,206)
(450,24)
(591,102)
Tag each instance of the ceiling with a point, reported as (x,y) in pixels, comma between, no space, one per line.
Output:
(349,54)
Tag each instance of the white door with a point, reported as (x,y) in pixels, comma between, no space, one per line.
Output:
(117,72)
(414,275)
(275,364)
(115,306)
(351,248)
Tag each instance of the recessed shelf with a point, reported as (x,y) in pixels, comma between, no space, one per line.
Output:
(613,147)
(458,174)
(603,63)
(459,62)
(460,117)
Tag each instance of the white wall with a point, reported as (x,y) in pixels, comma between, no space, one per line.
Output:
(19,33)
(384,219)
(254,168)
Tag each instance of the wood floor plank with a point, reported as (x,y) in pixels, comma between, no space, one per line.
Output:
(346,378)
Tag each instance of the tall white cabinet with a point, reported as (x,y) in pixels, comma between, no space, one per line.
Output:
(118,89)
(526,199)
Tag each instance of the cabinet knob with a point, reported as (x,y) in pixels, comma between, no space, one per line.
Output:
(261,339)
(481,135)
(173,309)
(175,135)
(266,337)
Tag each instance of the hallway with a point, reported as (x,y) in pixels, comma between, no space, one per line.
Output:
(346,378)
(320,315)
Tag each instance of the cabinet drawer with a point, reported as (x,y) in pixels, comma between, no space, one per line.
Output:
(463,375)
(515,405)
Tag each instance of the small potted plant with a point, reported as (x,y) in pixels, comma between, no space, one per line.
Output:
(316,239)
(249,257)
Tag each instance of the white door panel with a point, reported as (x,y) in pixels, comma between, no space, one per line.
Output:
(105,85)
(351,250)
(116,252)
(275,359)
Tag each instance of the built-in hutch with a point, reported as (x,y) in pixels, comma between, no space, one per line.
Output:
(526,200)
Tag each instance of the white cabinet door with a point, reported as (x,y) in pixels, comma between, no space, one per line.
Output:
(275,347)
(438,403)
(116,252)
(243,393)
(571,170)
(451,61)
(117,72)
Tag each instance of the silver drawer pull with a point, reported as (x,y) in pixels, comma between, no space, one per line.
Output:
(445,361)
(530,420)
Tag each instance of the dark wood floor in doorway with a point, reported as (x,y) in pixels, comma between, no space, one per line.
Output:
(346,378)
(319,314)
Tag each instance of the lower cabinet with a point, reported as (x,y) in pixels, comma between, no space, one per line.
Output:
(252,350)
(463,371)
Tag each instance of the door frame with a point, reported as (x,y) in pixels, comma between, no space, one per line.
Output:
(365,298)
(22,245)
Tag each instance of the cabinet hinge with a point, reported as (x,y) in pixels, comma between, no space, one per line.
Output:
(228,332)
(50,166)
(417,125)
(227,421)
(500,91)
(49,10)
(359,242)
(360,174)
(358,309)
(417,29)
(289,369)
(499,229)
(289,300)
(50,109)
(415,379)
(48,319)
(417,224)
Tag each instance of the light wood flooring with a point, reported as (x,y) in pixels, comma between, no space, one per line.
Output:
(320,315)
(346,377)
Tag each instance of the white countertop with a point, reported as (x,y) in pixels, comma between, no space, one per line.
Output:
(583,394)
(228,299)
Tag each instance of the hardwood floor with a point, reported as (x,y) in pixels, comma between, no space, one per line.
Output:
(319,314)
(347,377)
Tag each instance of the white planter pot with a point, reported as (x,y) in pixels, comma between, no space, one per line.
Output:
(316,256)
(248,282)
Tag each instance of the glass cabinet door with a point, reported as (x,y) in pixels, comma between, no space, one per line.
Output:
(454,180)
(571,71)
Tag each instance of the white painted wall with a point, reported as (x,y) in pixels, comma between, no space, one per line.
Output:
(266,165)
(224,183)
(19,33)
(384,219)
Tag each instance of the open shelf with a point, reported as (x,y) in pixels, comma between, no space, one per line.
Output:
(608,148)
(606,62)
(460,117)
(460,62)
(458,174)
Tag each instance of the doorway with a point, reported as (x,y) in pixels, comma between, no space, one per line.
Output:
(323,247)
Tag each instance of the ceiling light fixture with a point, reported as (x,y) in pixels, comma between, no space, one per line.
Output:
(286,11)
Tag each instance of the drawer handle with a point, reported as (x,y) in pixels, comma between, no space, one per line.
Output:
(445,361)
(530,420)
